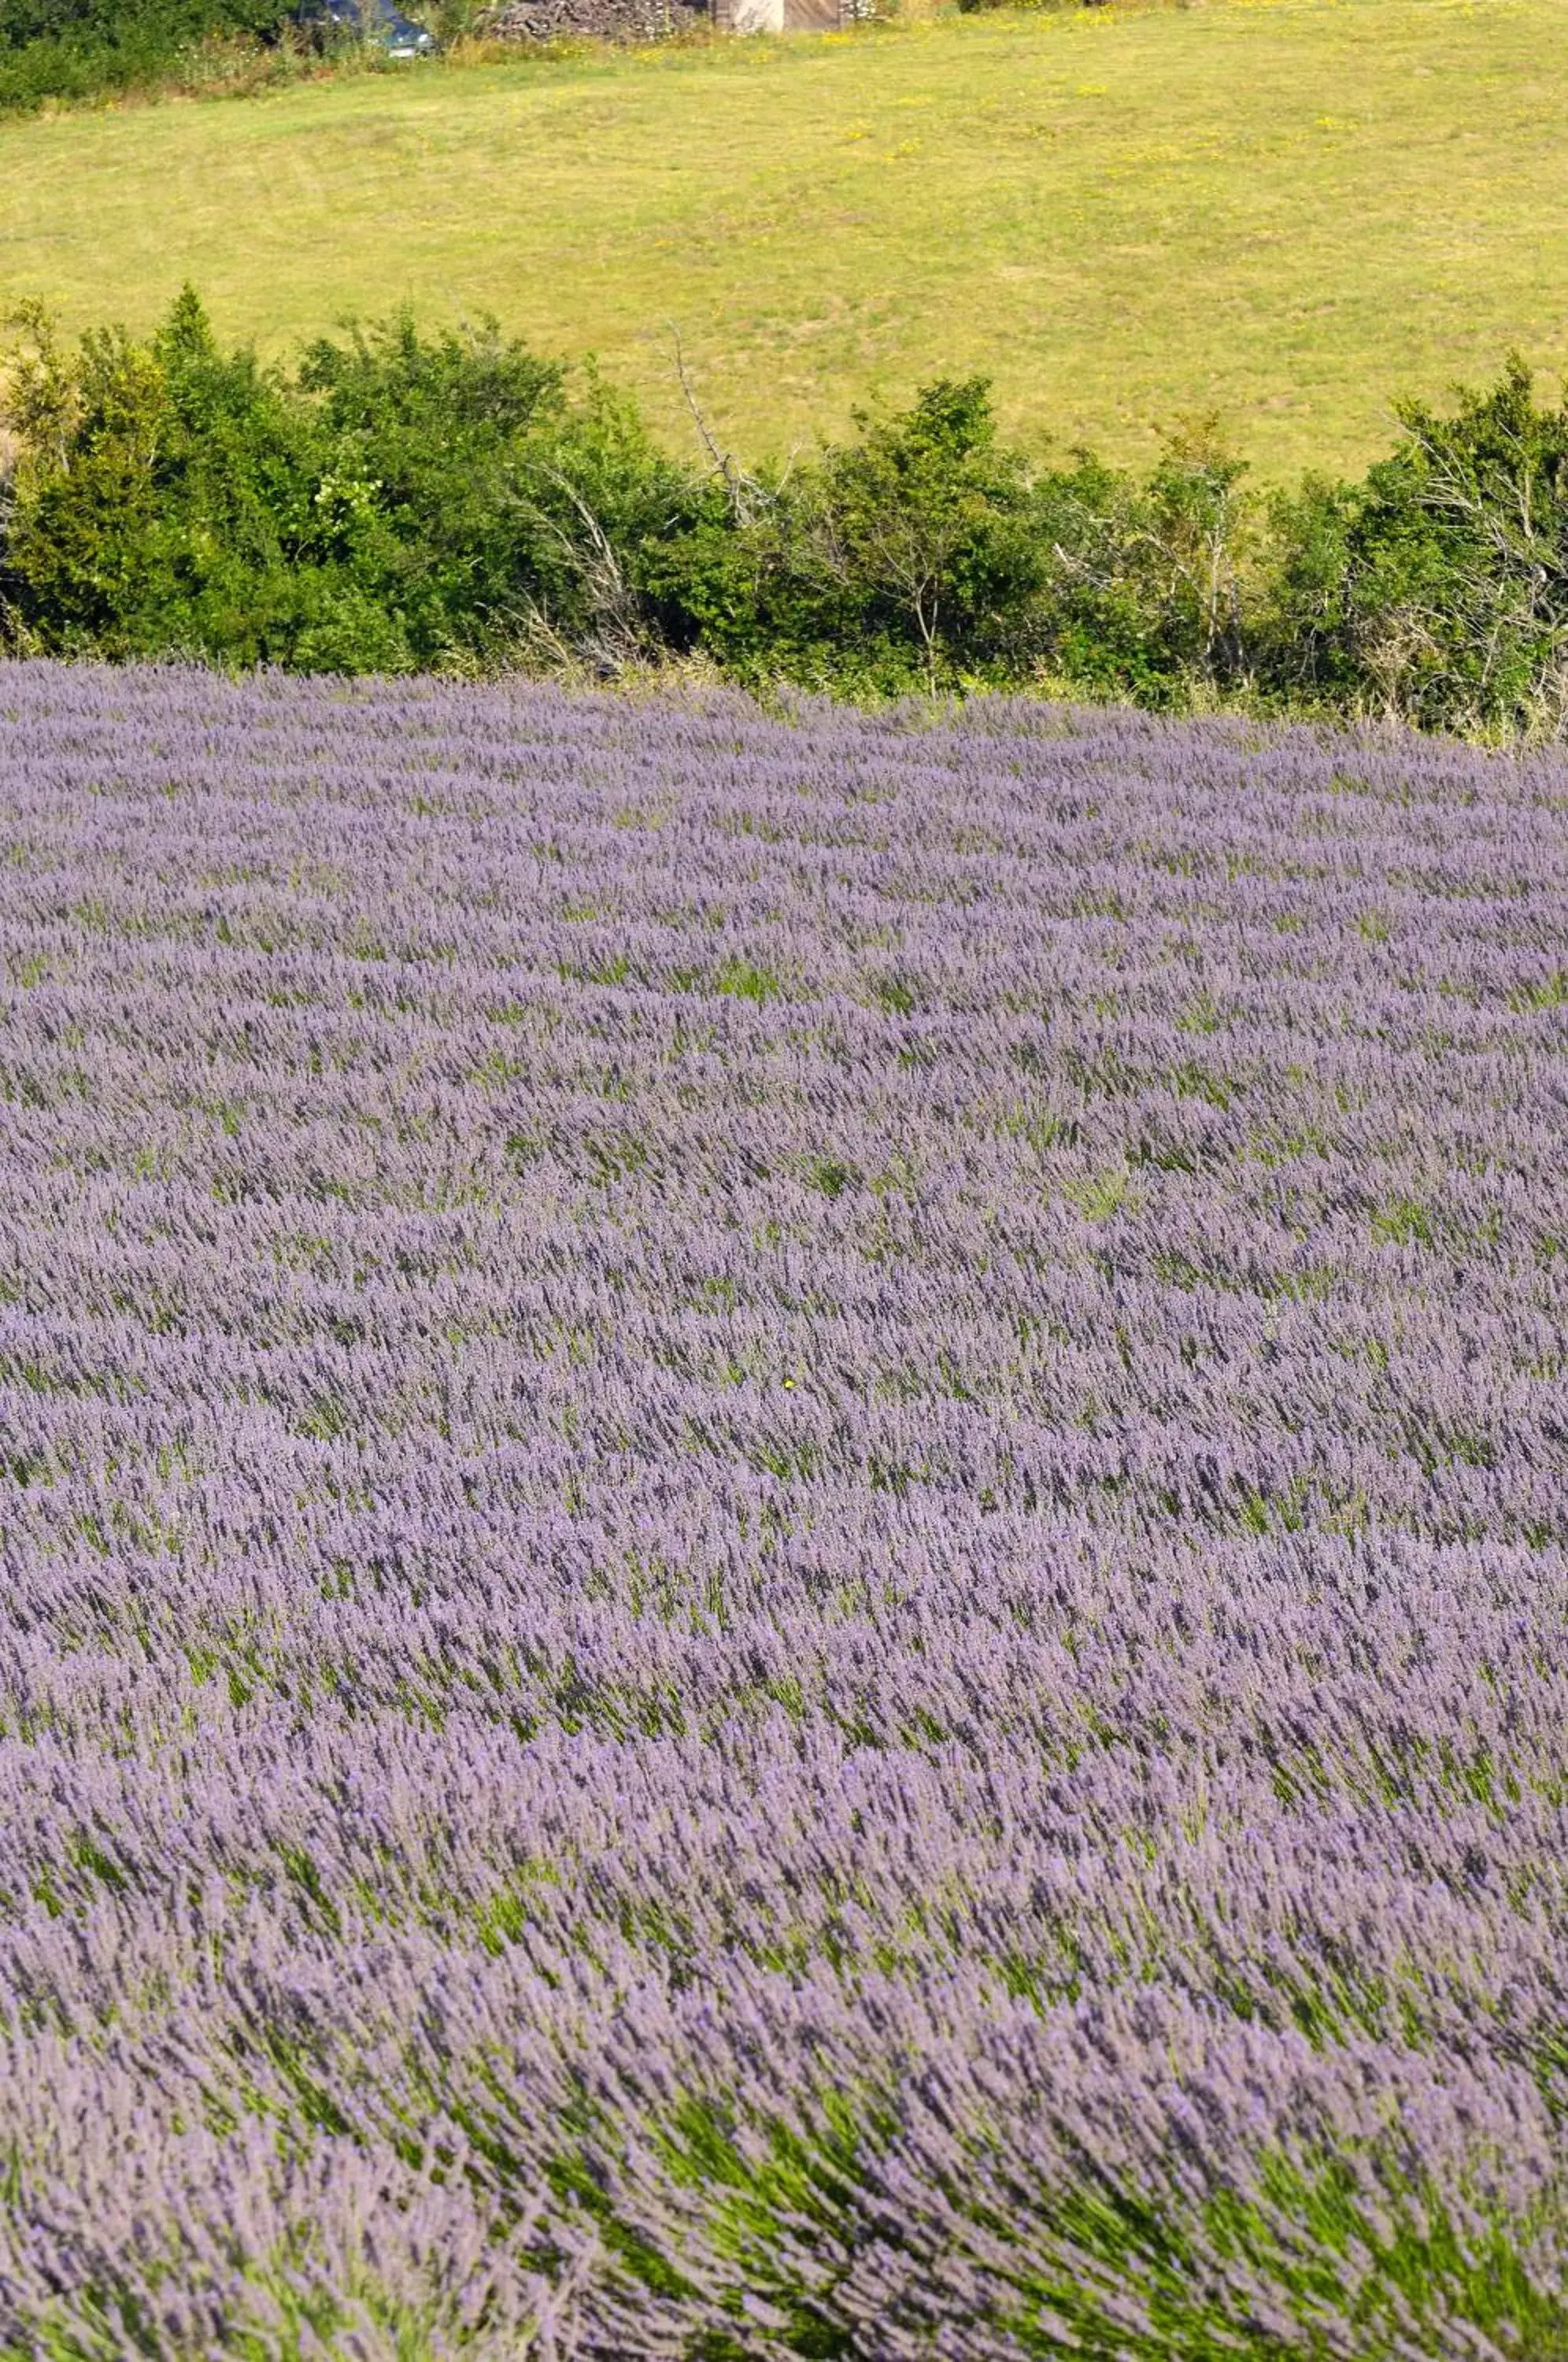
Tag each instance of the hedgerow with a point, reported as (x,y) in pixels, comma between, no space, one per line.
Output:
(75,50)
(396,500)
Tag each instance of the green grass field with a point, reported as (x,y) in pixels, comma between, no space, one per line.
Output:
(1285,212)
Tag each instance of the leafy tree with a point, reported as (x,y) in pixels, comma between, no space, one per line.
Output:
(1437,589)
(921,526)
(163,499)
(905,557)
(1145,587)
(419,495)
(1459,559)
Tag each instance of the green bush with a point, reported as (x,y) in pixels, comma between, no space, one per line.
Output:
(1437,589)
(394,502)
(84,49)
(905,559)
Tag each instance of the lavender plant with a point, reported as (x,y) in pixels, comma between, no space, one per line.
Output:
(783,1529)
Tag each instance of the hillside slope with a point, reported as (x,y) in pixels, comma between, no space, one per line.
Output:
(1287,212)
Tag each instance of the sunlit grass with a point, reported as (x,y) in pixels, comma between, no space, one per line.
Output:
(1285,211)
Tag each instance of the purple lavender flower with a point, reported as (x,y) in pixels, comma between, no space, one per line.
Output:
(783,1530)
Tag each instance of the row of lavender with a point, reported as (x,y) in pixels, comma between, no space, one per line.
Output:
(784,1533)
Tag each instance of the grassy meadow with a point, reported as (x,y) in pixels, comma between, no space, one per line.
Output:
(1287,213)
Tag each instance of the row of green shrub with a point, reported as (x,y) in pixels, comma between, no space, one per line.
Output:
(396,499)
(74,53)
(69,52)
(73,49)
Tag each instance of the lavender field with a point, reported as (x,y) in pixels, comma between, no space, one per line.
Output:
(785,1532)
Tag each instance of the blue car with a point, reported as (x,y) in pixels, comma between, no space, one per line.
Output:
(370,20)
